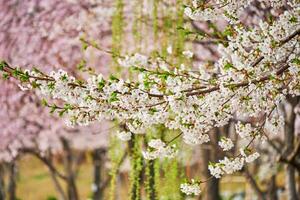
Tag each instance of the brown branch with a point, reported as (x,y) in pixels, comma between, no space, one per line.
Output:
(290,37)
(295,152)
(47,162)
(291,158)
(241,84)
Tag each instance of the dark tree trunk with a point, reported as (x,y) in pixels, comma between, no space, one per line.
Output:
(289,144)
(12,185)
(98,161)
(272,189)
(2,183)
(291,183)
(212,190)
(69,171)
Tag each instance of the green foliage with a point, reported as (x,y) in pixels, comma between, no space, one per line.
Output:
(163,177)
(113,78)
(228,31)
(5,76)
(113,97)
(136,161)
(170,180)
(296,61)
(228,66)
(84,44)
(115,153)
(150,180)
(44,102)
(2,65)
(19,74)
(51,198)
(180,35)
(101,84)
(137,25)
(167,171)
(117,31)
(81,65)
(293,19)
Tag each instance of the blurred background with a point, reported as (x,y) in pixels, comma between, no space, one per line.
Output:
(43,159)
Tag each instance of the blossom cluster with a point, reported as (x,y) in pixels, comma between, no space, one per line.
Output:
(213,10)
(124,135)
(192,188)
(159,149)
(231,165)
(275,124)
(226,144)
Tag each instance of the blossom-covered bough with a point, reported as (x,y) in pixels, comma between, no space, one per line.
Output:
(259,67)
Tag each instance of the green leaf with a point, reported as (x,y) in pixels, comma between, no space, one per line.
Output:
(274,43)
(24,77)
(53,109)
(84,45)
(15,72)
(2,65)
(36,70)
(44,102)
(5,76)
(139,69)
(293,19)
(247,151)
(64,77)
(228,66)
(61,113)
(88,98)
(35,84)
(81,65)
(113,78)
(163,76)
(296,61)
(94,44)
(152,110)
(68,106)
(51,86)
(113,97)
(147,84)
(101,84)
(228,31)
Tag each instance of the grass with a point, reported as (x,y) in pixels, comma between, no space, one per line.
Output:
(35,183)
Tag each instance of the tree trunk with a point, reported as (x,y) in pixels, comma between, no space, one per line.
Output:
(212,191)
(289,144)
(69,171)
(98,161)
(291,183)
(272,189)
(57,185)
(12,181)
(2,183)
